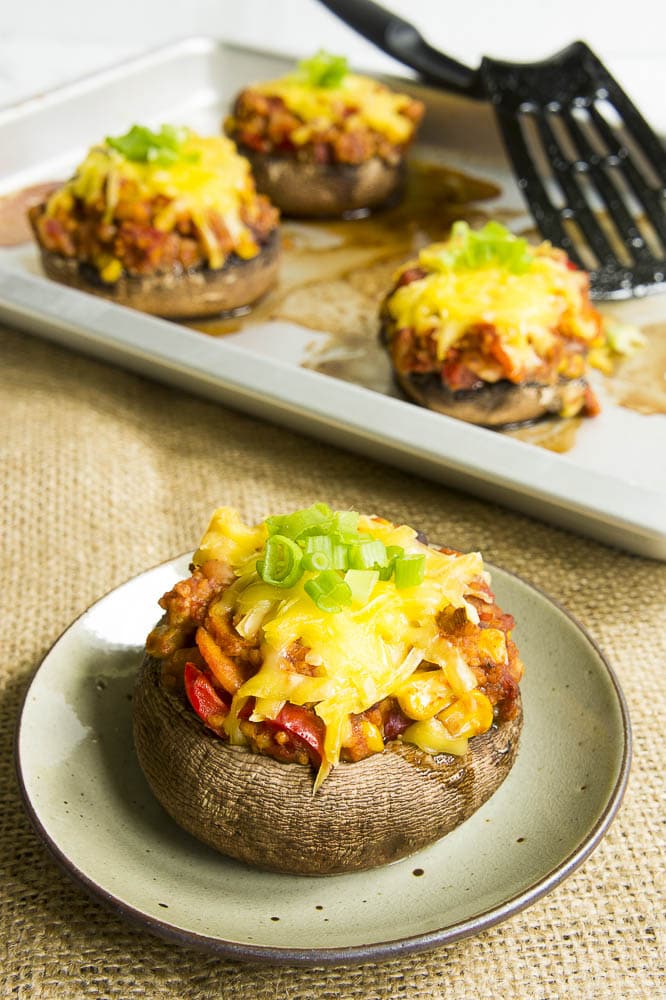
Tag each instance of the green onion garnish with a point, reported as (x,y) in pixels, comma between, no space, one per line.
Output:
(409,571)
(623,338)
(327,543)
(329,592)
(471,250)
(393,552)
(322,70)
(361,582)
(281,565)
(346,523)
(367,555)
(301,522)
(320,543)
(142,145)
(317,561)
(340,555)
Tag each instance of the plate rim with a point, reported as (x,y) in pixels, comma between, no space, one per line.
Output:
(351,954)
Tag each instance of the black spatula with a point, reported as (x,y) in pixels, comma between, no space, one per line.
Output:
(591,169)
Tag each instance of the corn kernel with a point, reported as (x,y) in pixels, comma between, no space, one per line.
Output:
(492,644)
(425,694)
(111,271)
(468,716)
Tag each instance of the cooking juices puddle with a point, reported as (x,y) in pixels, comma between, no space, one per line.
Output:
(335,273)
(14,225)
(325,262)
(639,382)
(555,434)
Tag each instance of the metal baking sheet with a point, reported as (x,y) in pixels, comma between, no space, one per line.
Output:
(609,484)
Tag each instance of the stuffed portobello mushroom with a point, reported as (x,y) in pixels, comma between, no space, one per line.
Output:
(326,692)
(166,221)
(323,141)
(494,331)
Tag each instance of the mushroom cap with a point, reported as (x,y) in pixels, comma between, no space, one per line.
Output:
(263,812)
(176,294)
(495,404)
(321,190)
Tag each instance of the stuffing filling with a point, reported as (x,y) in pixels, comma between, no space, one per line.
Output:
(126,211)
(278,673)
(321,113)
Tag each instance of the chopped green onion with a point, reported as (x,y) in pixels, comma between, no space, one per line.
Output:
(143,145)
(311,520)
(317,561)
(329,544)
(340,558)
(367,555)
(346,524)
(393,552)
(409,571)
(361,582)
(281,565)
(322,70)
(329,592)
(623,338)
(471,250)
(320,543)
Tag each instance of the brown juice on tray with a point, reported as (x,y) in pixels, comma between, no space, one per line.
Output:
(14,225)
(335,273)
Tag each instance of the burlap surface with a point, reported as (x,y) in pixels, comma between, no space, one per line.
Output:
(105,474)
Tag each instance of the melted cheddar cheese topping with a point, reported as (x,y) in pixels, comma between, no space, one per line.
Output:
(355,99)
(208,181)
(528,309)
(363,653)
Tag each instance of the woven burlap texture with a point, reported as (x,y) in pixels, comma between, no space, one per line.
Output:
(105,474)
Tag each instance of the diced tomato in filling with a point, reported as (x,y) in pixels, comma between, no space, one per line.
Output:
(480,356)
(457,375)
(303,727)
(265,125)
(134,235)
(204,699)
(592,405)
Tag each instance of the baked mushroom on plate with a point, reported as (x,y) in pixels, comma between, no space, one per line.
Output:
(166,221)
(324,141)
(491,329)
(326,693)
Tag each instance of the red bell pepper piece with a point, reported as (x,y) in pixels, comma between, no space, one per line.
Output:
(204,699)
(303,727)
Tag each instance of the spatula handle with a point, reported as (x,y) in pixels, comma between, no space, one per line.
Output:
(404,42)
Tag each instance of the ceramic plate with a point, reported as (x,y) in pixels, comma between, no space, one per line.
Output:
(90,803)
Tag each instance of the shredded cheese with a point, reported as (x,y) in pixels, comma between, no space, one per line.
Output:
(359,655)
(209,181)
(354,99)
(528,310)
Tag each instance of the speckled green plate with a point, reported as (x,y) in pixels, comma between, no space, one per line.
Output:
(90,802)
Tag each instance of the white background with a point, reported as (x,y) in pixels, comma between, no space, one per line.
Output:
(43,42)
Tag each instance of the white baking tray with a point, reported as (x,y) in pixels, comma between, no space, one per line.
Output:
(610,485)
